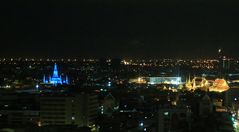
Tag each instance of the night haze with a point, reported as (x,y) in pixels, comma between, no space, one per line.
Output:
(125,29)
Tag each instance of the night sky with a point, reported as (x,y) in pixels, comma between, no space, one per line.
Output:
(119,28)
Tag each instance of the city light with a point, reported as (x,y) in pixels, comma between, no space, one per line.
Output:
(119,66)
(131,91)
(141,124)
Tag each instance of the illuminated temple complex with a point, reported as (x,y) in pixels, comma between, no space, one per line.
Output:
(55,79)
(217,85)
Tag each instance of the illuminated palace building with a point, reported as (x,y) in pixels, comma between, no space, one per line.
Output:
(218,82)
(55,79)
(217,85)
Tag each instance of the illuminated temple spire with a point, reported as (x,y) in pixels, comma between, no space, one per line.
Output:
(55,79)
(44,79)
(67,80)
(189,83)
(189,78)
(55,72)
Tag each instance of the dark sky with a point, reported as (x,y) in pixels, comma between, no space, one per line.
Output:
(119,28)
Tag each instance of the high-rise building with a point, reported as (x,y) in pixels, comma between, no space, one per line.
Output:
(224,63)
(80,110)
(172,119)
(18,110)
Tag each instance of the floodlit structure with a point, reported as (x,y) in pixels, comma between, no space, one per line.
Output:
(157,80)
(55,79)
(197,82)
(139,80)
(165,80)
(217,85)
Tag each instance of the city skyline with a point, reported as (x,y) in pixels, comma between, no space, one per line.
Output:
(119,66)
(119,95)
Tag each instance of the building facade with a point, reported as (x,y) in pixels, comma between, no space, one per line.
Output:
(174,119)
(80,110)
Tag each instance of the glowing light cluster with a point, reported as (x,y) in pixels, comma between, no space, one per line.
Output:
(218,85)
(165,80)
(55,79)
